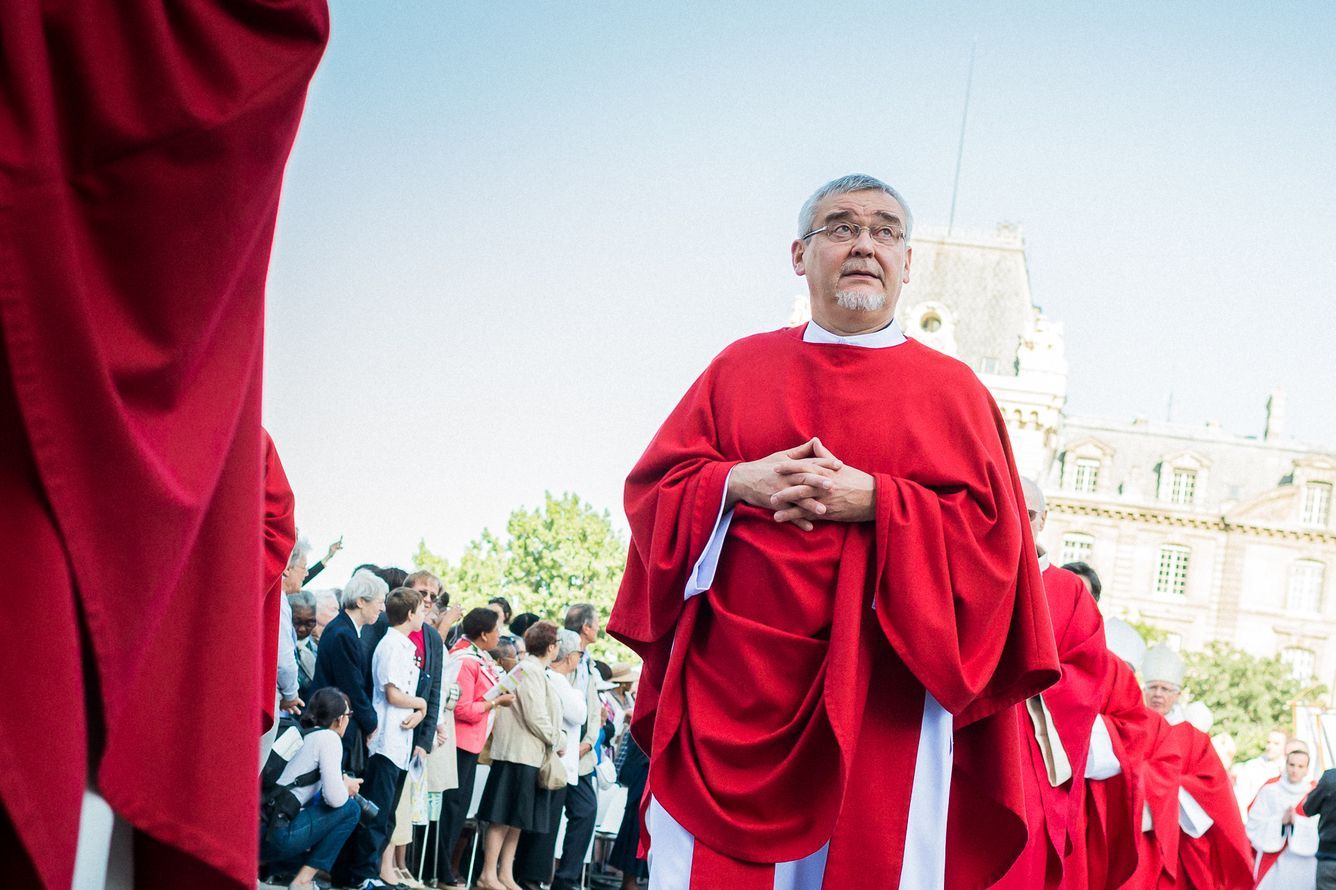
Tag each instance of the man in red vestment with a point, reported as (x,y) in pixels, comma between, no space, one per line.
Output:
(833,588)
(1056,725)
(1199,839)
(1120,743)
(142,148)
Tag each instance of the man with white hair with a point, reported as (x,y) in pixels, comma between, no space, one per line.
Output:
(340,661)
(1057,726)
(1190,800)
(833,512)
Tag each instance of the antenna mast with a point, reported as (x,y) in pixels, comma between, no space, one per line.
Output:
(960,149)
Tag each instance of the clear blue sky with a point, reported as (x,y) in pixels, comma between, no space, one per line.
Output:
(512,234)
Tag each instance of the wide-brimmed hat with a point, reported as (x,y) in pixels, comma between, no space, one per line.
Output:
(622,672)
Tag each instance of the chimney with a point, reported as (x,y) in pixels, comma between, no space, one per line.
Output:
(1275,415)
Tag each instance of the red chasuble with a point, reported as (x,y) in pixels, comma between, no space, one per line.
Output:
(280,536)
(1157,849)
(781,709)
(142,148)
(1113,807)
(1222,858)
(1056,816)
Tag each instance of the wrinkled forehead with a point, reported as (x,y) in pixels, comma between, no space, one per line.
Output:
(868,204)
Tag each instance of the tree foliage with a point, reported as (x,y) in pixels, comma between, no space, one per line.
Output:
(1248,695)
(550,558)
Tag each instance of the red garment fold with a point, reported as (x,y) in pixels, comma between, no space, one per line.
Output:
(1113,806)
(780,661)
(280,536)
(1072,703)
(1222,857)
(142,148)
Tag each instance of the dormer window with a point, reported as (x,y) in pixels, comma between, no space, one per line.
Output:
(1317,503)
(1183,486)
(1086,476)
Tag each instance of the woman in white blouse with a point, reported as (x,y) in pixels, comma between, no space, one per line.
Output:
(328,811)
(536,853)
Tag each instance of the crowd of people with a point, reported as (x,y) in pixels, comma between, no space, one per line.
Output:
(394,703)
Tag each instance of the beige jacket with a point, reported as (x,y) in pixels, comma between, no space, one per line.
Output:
(594,708)
(531,726)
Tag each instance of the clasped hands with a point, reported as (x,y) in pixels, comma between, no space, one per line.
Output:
(804,485)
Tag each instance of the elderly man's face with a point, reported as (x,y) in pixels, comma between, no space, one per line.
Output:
(294,576)
(1161,696)
(303,621)
(429,589)
(856,282)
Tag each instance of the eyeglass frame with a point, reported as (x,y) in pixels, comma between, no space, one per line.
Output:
(901,238)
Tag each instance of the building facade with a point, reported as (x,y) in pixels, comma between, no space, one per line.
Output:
(1207,534)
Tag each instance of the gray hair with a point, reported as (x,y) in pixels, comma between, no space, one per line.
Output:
(854,182)
(568,641)
(363,585)
(301,550)
(302,599)
(327,597)
(578,615)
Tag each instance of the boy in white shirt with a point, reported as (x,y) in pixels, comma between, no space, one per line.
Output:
(394,676)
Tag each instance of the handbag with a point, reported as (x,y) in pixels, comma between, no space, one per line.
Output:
(606,772)
(552,774)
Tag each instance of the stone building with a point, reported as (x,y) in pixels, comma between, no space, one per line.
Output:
(1205,533)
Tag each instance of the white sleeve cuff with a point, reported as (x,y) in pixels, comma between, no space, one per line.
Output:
(702,573)
(1191,817)
(1100,761)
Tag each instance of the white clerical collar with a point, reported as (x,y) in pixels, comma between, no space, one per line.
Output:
(887,336)
(1176,715)
(1044,562)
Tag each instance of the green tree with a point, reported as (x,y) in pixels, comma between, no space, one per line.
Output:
(550,558)
(1248,695)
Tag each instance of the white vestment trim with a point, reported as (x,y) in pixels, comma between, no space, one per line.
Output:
(925,835)
(1191,817)
(1101,763)
(671,848)
(104,854)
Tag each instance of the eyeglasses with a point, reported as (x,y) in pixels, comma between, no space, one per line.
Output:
(843,232)
(304,622)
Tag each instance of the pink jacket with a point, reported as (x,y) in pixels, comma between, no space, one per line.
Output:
(472,714)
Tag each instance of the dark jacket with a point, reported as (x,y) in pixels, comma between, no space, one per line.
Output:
(1321,802)
(339,662)
(429,676)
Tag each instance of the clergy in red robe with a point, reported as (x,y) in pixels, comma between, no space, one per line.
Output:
(1119,746)
(833,587)
(142,148)
(1197,805)
(1056,726)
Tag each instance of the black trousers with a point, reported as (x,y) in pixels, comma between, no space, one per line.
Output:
(581,813)
(360,859)
(536,852)
(454,809)
(1326,874)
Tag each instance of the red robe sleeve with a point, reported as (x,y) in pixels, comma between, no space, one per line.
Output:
(673,498)
(1222,857)
(142,151)
(1157,851)
(1113,806)
(976,631)
(280,536)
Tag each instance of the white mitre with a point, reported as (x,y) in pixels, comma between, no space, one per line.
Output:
(1200,716)
(1163,664)
(1124,641)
